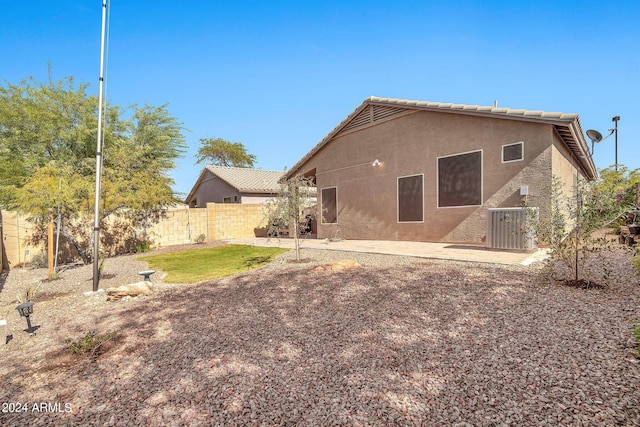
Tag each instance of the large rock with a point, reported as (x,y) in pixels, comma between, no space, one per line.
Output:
(132,290)
(339,265)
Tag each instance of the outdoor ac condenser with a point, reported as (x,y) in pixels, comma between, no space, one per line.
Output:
(510,228)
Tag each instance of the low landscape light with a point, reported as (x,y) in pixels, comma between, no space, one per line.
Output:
(26,310)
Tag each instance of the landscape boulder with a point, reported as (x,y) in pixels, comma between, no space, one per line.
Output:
(132,290)
(339,265)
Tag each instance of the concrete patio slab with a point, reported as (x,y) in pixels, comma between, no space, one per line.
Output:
(445,251)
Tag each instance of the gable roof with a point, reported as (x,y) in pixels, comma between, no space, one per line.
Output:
(244,180)
(374,109)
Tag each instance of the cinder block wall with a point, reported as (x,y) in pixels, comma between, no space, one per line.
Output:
(234,221)
(16,237)
(181,226)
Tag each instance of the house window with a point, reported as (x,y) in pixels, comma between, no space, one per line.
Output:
(460,180)
(330,205)
(513,152)
(230,199)
(411,198)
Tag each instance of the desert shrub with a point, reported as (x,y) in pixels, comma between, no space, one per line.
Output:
(572,230)
(90,343)
(29,294)
(142,247)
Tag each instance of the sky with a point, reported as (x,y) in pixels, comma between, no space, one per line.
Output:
(278,76)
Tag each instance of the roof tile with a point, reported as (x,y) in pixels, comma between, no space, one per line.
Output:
(248,180)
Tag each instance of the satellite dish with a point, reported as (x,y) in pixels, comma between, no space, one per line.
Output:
(594,135)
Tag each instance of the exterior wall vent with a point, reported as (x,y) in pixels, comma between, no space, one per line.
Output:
(507,228)
(371,114)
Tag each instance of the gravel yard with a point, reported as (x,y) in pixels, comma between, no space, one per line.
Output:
(401,341)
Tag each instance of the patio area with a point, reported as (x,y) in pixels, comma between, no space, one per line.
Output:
(444,251)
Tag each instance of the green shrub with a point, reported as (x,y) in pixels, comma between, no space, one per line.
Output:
(636,334)
(89,343)
(636,262)
(142,247)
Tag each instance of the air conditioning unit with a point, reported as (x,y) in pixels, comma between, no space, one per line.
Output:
(510,228)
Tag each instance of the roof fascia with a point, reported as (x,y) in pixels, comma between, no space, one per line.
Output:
(571,121)
(326,139)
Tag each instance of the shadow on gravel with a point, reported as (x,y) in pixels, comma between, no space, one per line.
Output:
(3,278)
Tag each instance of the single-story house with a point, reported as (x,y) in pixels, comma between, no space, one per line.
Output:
(223,184)
(399,169)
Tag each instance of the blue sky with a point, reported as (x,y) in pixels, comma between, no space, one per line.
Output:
(278,76)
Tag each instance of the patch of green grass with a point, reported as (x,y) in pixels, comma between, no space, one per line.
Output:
(197,265)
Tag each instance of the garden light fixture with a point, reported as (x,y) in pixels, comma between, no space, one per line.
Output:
(26,310)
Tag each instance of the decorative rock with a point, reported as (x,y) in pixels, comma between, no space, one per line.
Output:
(339,265)
(132,290)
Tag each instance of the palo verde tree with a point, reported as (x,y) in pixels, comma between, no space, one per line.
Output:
(285,210)
(47,157)
(217,151)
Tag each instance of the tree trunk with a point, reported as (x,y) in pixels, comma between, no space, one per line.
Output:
(4,263)
(295,239)
(83,254)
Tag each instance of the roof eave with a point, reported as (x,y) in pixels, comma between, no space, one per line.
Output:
(571,121)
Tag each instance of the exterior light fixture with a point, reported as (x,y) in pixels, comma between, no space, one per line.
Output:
(376,162)
(26,310)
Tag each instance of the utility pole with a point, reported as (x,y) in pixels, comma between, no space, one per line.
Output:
(96,222)
(615,129)
(50,245)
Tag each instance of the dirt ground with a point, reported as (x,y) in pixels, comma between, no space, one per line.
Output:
(399,341)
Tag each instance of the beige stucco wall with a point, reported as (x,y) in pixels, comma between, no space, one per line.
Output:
(409,145)
(212,189)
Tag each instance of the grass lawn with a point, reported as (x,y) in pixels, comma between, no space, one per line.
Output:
(197,265)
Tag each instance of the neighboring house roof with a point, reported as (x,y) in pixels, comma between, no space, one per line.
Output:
(247,180)
(244,180)
(374,109)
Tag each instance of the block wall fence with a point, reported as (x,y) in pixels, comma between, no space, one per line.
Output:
(182,225)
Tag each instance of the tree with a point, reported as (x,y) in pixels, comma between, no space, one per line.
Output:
(285,210)
(617,190)
(47,157)
(573,230)
(224,153)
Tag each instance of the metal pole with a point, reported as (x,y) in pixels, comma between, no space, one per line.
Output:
(577,225)
(96,222)
(615,129)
